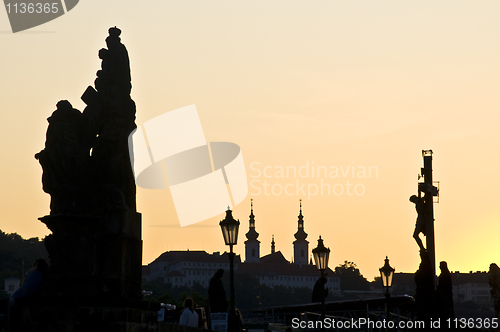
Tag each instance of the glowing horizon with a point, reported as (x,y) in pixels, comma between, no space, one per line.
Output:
(340,84)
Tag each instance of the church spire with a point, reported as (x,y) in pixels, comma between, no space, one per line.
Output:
(252,245)
(300,235)
(252,217)
(300,245)
(301,217)
(252,234)
(273,250)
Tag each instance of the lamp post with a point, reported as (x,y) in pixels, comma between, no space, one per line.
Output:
(386,274)
(321,255)
(229,227)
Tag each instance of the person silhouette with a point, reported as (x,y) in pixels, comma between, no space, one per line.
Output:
(319,291)
(444,293)
(189,317)
(32,280)
(216,293)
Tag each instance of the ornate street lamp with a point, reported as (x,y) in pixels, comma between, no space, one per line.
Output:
(229,227)
(386,274)
(321,255)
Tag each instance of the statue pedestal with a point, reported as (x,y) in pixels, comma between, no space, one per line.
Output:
(94,282)
(94,256)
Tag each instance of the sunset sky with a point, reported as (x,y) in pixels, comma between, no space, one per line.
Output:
(363,84)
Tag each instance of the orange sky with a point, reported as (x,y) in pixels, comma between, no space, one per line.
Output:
(333,83)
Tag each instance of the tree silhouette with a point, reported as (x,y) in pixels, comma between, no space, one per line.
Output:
(351,278)
(14,250)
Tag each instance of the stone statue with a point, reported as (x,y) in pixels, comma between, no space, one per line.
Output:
(95,248)
(112,114)
(420,226)
(66,160)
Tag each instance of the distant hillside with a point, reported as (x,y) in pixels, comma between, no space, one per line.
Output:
(14,250)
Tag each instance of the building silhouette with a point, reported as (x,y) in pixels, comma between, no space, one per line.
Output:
(470,287)
(185,268)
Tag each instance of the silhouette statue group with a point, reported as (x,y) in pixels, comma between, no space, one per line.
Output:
(96,230)
(86,163)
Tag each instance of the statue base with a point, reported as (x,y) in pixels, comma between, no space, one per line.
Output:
(94,280)
(94,256)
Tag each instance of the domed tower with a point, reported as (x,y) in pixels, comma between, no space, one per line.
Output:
(300,245)
(252,245)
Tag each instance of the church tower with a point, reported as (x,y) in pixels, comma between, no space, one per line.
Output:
(300,245)
(252,245)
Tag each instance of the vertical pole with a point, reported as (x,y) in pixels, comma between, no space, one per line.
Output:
(231,317)
(322,317)
(387,296)
(429,223)
(429,210)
